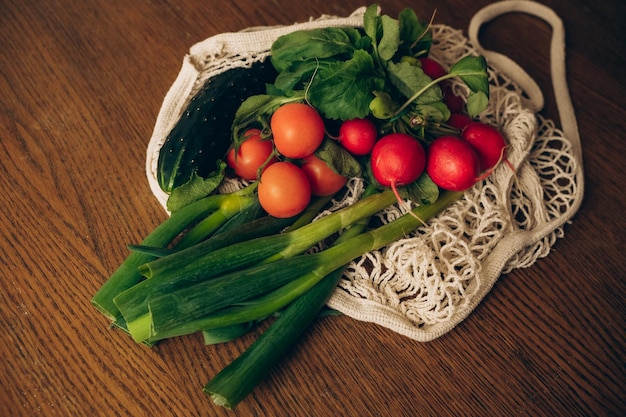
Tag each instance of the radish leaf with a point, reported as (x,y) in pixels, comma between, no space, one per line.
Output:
(391,38)
(410,79)
(472,70)
(343,90)
(312,44)
(476,103)
(423,190)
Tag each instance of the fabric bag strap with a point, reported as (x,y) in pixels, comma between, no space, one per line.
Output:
(557,62)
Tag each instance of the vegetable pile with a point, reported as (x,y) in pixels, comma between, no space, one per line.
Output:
(337,105)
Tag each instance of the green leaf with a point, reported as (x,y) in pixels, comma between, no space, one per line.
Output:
(298,75)
(410,79)
(357,39)
(272,90)
(410,27)
(371,21)
(196,188)
(364,42)
(310,44)
(476,103)
(422,191)
(472,70)
(415,37)
(343,90)
(390,39)
(338,159)
(434,112)
(382,105)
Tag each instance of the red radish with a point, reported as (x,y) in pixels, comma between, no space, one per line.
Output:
(454,102)
(357,136)
(458,120)
(432,68)
(397,159)
(452,163)
(435,70)
(488,142)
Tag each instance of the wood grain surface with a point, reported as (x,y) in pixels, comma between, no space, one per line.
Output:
(80,87)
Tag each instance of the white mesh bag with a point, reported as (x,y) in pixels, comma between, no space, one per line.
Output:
(425,284)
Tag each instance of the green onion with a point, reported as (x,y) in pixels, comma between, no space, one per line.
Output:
(238,379)
(171,310)
(263,306)
(229,323)
(127,274)
(195,265)
(231,385)
(197,262)
(226,333)
(229,209)
(175,308)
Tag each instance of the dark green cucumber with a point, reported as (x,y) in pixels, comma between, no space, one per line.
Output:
(202,135)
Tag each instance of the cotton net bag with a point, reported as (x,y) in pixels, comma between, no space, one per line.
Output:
(425,284)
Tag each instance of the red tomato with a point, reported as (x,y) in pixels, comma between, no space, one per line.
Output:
(324,181)
(297,130)
(251,155)
(284,190)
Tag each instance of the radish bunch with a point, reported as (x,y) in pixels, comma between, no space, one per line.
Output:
(456,163)
(452,162)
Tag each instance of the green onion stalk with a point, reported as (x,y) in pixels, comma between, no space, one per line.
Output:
(236,319)
(185,272)
(231,385)
(127,274)
(171,311)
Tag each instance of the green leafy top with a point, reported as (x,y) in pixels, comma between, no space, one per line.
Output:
(345,72)
(371,71)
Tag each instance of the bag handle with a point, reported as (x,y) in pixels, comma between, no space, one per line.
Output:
(557,63)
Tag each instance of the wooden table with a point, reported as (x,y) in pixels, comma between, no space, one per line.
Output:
(81,85)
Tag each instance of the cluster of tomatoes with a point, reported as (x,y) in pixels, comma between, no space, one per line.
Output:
(287,184)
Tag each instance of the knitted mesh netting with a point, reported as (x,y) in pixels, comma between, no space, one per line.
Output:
(426,283)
